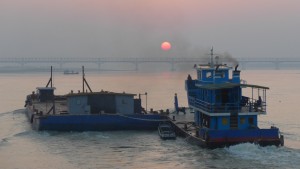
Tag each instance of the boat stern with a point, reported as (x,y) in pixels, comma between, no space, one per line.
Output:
(222,138)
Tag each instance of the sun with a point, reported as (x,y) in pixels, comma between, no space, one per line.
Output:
(166,46)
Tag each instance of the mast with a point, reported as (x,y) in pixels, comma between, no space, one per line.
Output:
(51,86)
(212,57)
(50,80)
(84,81)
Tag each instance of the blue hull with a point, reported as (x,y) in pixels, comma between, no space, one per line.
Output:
(224,138)
(263,137)
(102,122)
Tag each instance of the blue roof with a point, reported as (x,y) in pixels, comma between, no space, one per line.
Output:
(45,88)
(227,86)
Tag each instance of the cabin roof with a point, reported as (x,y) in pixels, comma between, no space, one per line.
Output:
(99,93)
(228,85)
(208,67)
(45,88)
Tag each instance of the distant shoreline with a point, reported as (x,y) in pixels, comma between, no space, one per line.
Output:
(129,68)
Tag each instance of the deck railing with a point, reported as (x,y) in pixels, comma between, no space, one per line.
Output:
(251,106)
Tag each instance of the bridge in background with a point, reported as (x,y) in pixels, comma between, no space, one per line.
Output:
(243,62)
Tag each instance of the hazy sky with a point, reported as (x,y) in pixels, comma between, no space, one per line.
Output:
(132,28)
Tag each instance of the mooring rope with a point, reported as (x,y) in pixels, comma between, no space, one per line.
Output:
(135,118)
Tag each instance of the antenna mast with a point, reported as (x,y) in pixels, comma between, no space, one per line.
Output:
(212,57)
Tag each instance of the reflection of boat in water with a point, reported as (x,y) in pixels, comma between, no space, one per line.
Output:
(225,109)
(87,110)
(71,72)
(166,131)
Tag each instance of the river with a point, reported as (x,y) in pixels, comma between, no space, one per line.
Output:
(21,147)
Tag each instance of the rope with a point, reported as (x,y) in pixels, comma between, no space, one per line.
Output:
(158,120)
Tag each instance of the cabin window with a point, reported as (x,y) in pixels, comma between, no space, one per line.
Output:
(205,95)
(251,121)
(224,121)
(199,75)
(208,75)
(218,98)
(242,120)
(206,121)
(220,74)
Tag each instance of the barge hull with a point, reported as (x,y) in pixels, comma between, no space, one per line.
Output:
(101,122)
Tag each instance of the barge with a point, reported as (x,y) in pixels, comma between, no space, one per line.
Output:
(87,110)
(225,109)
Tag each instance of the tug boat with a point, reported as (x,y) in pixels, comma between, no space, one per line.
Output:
(87,110)
(225,109)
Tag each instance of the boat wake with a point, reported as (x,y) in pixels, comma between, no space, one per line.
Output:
(13,124)
(123,147)
(270,155)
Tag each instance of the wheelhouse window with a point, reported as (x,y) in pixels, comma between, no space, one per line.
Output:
(208,75)
(220,74)
(199,74)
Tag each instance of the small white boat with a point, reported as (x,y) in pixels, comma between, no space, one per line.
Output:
(70,72)
(166,131)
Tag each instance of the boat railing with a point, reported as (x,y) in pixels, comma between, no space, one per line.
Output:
(254,106)
(251,106)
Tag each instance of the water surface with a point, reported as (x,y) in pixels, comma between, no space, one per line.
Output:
(21,147)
